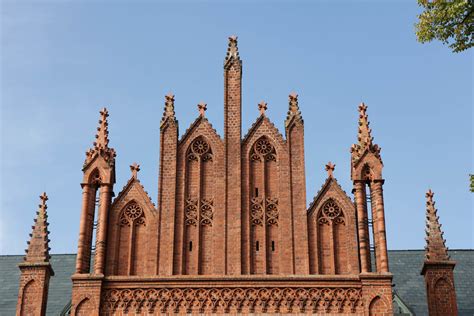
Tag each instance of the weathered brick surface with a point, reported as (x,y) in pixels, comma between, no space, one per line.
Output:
(231,232)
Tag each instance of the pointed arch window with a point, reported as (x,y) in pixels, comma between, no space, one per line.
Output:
(332,238)
(264,208)
(199,207)
(132,241)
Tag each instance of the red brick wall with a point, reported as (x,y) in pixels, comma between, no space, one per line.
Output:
(439,280)
(33,290)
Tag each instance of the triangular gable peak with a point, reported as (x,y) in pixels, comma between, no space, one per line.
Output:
(331,190)
(133,190)
(200,126)
(264,127)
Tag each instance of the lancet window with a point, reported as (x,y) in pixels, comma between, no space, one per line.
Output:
(199,207)
(132,240)
(332,239)
(264,209)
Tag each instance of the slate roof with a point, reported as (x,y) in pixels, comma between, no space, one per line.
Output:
(60,285)
(404,264)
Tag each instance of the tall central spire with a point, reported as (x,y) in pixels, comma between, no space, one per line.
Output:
(435,249)
(232,147)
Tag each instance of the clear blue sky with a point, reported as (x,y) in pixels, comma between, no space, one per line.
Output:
(62,61)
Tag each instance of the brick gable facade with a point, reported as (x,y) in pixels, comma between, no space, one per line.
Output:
(231,232)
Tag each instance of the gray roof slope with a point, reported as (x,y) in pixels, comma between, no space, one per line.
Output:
(404,264)
(410,285)
(60,285)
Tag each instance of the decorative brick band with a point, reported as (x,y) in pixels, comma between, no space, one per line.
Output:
(233,300)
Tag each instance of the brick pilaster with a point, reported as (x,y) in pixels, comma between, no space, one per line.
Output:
(232,143)
(295,137)
(167,187)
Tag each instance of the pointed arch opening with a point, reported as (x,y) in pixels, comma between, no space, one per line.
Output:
(264,209)
(442,299)
(332,239)
(198,243)
(132,245)
(29,300)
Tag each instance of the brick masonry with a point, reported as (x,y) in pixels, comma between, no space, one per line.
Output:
(231,232)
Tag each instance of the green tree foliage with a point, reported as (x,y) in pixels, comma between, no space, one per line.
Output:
(450,21)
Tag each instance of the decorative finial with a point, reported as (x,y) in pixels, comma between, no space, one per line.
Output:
(169,108)
(330,169)
(135,168)
(262,107)
(202,107)
(429,196)
(38,246)
(435,249)
(293,109)
(232,51)
(43,198)
(102,136)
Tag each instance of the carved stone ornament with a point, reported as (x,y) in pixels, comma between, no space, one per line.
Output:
(331,213)
(233,300)
(257,214)
(272,212)
(207,212)
(256,211)
(191,212)
(133,214)
(263,150)
(199,149)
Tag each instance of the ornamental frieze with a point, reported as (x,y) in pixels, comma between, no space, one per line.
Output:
(233,300)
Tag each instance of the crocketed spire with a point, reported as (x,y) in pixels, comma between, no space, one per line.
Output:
(102,136)
(169,108)
(364,136)
(101,144)
(38,246)
(293,110)
(435,249)
(232,51)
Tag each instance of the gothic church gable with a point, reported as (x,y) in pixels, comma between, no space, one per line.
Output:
(133,222)
(332,231)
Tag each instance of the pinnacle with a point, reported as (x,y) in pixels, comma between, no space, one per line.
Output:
(293,109)
(169,108)
(38,246)
(232,50)
(435,249)
(102,136)
(364,137)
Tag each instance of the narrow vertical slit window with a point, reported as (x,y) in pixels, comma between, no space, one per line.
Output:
(256,192)
(190,246)
(273,245)
(257,246)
